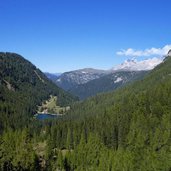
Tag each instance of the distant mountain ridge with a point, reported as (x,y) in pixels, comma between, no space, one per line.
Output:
(134,65)
(134,123)
(52,76)
(71,79)
(106,83)
(88,81)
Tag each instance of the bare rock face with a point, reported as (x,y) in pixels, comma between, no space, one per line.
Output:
(169,53)
(71,79)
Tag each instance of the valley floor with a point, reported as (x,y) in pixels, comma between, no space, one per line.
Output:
(50,106)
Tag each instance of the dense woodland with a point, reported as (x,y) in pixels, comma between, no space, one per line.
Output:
(125,130)
(22,88)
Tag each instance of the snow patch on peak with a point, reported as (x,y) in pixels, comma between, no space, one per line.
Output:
(58,80)
(83,72)
(119,79)
(134,65)
(169,53)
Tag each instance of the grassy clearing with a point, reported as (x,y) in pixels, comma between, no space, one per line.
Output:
(40,148)
(51,106)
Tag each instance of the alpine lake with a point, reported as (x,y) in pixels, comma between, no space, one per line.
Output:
(50,110)
(43,116)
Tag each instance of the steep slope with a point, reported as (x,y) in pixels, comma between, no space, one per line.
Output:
(127,129)
(71,79)
(154,79)
(22,88)
(134,123)
(106,83)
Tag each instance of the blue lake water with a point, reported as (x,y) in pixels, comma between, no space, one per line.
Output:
(46,116)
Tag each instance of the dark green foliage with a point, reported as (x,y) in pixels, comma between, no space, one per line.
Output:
(17,151)
(128,129)
(131,127)
(22,88)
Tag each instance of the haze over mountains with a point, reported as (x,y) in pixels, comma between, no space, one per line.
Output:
(53,76)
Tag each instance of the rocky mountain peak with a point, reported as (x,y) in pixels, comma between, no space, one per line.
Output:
(135,65)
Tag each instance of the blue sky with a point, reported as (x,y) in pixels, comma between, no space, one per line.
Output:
(63,35)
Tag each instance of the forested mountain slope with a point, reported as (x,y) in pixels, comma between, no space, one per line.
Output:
(156,78)
(22,88)
(128,129)
(106,83)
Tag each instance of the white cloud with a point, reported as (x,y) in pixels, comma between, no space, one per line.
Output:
(147,52)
